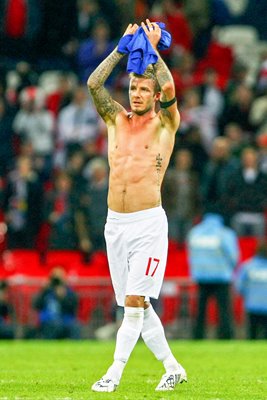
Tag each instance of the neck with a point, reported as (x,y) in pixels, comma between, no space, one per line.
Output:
(143,117)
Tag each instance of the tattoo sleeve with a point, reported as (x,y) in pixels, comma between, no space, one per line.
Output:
(166,83)
(106,106)
(163,75)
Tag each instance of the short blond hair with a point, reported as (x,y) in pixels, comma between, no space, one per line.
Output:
(148,74)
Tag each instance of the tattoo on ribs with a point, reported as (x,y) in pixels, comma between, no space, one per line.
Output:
(158,163)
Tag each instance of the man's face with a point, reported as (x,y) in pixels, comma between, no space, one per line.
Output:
(142,95)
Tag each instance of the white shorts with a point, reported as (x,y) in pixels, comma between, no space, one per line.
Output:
(137,246)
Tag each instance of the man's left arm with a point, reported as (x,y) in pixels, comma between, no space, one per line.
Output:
(164,77)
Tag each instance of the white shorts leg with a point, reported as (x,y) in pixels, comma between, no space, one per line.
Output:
(117,259)
(137,245)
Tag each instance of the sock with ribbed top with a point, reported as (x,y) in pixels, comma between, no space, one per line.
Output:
(127,338)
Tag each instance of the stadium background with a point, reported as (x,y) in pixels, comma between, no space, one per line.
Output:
(47,50)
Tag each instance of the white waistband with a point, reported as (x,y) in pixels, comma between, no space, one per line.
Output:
(134,216)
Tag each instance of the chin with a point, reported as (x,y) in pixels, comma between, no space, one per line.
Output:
(139,111)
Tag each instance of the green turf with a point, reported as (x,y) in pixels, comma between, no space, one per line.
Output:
(65,370)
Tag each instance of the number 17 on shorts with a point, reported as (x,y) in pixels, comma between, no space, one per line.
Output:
(152,266)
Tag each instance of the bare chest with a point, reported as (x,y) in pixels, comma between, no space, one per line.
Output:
(131,137)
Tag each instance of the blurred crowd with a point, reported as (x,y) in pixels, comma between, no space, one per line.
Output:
(53,154)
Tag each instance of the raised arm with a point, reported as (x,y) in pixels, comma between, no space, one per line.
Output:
(105,105)
(167,98)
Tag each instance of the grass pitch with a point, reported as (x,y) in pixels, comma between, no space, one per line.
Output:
(234,370)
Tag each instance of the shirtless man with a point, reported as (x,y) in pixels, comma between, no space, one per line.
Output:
(140,144)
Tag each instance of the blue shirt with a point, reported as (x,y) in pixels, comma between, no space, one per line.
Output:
(213,250)
(251,282)
(140,50)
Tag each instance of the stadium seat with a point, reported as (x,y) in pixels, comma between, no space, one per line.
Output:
(69,260)
(22,262)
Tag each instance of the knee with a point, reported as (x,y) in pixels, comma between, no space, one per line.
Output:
(135,301)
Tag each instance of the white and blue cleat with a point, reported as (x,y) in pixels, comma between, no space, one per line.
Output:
(104,384)
(170,380)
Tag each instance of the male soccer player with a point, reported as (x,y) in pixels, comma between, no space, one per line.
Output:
(139,148)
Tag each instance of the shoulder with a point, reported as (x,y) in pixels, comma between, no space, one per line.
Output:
(121,118)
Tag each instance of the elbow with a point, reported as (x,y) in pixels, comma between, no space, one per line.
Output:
(91,83)
(168,89)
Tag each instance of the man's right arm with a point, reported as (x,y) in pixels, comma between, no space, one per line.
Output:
(105,105)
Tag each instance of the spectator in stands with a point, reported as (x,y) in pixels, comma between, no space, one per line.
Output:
(238,77)
(202,17)
(18,78)
(213,254)
(246,195)
(6,137)
(261,83)
(91,148)
(238,110)
(210,94)
(23,76)
(113,11)
(193,113)
(7,328)
(180,195)
(191,140)
(262,144)
(88,13)
(78,122)
(98,46)
(34,124)
(173,16)
(93,207)
(61,206)
(182,65)
(20,24)
(23,205)
(251,282)
(75,168)
(62,96)
(258,112)
(216,175)
(126,13)
(57,41)
(237,139)
(57,307)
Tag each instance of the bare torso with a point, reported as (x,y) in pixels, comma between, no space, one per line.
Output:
(139,152)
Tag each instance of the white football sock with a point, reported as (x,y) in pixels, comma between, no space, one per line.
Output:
(127,337)
(154,337)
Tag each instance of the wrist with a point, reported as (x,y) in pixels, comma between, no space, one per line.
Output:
(120,53)
(122,47)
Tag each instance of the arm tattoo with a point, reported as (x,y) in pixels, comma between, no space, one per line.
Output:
(105,105)
(164,77)
(163,73)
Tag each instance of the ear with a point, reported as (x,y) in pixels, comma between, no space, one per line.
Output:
(157,96)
